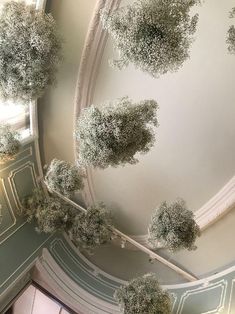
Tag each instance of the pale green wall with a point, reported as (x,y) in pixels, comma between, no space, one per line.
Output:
(20,244)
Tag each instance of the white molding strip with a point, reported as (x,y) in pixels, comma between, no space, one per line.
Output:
(153,255)
(94,46)
(97,270)
(89,65)
(50,275)
(218,206)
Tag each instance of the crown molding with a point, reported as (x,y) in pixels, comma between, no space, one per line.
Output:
(89,65)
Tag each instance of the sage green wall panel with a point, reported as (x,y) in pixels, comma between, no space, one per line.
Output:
(80,272)
(18,252)
(17,180)
(20,244)
(8,219)
(215,294)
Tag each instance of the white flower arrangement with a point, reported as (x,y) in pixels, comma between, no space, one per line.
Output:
(143,295)
(51,214)
(87,230)
(91,229)
(112,134)
(174,226)
(9,143)
(231,35)
(30,51)
(64,177)
(154,35)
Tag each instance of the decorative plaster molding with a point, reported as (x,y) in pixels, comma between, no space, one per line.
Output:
(231,297)
(96,269)
(61,283)
(29,154)
(90,61)
(90,273)
(10,209)
(68,291)
(30,165)
(92,54)
(222,284)
(0,214)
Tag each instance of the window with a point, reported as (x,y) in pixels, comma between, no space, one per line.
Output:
(17,115)
(35,301)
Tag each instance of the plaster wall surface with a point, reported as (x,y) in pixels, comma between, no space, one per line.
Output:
(57,107)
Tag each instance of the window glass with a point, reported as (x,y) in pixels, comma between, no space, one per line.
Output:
(17,115)
(34,301)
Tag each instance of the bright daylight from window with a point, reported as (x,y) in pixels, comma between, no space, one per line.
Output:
(17,115)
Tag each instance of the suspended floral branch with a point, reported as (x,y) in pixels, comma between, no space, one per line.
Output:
(92,228)
(112,134)
(88,229)
(50,212)
(154,35)
(30,51)
(126,239)
(174,226)
(231,35)
(9,143)
(64,177)
(143,295)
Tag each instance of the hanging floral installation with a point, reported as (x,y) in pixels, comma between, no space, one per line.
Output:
(154,35)
(51,214)
(64,177)
(231,34)
(30,51)
(87,230)
(143,295)
(112,134)
(9,143)
(92,229)
(174,226)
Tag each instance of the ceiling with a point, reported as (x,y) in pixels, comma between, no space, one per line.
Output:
(194,154)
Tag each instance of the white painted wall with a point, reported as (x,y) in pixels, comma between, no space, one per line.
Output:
(194,153)
(57,106)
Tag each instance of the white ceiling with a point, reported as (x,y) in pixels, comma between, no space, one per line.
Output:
(194,153)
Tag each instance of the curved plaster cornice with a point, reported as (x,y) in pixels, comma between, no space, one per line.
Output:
(216,207)
(212,211)
(89,65)
(84,298)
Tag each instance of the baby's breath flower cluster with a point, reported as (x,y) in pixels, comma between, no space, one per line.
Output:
(29,51)
(143,295)
(51,213)
(174,226)
(231,35)
(88,230)
(112,134)
(92,229)
(64,177)
(9,143)
(155,35)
